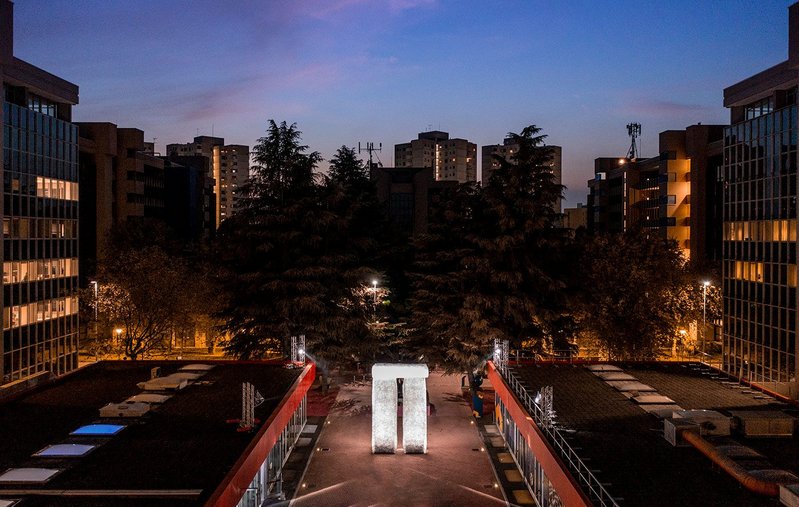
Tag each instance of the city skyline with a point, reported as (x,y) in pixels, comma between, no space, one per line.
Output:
(352,71)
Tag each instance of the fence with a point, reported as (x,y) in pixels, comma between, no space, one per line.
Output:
(577,467)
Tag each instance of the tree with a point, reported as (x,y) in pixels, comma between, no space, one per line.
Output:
(144,294)
(488,267)
(632,290)
(522,246)
(282,167)
(295,254)
(446,320)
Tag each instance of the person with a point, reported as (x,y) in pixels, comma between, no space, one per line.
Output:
(477,404)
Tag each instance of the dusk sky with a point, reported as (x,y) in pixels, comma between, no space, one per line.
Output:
(384,70)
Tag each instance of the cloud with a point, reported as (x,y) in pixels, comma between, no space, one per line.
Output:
(402,5)
(667,108)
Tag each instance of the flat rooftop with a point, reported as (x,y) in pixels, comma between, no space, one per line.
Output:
(625,446)
(185,443)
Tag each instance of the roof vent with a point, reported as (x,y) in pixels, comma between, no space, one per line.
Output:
(38,475)
(764,423)
(711,423)
(98,430)
(125,409)
(150,398)
(197,367)
(64,451)
(168,383)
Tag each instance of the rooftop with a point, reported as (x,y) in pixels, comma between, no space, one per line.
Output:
(625,445)
(183,444)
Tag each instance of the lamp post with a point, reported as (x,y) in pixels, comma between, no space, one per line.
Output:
(705,285)
(374,299)
(96,290)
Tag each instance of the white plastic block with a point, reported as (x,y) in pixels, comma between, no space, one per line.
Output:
(390,371)
(414,416)
(384,415)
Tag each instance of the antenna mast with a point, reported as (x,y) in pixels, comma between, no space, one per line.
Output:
(370,148)
(634,131)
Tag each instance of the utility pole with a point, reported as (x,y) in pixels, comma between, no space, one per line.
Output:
(370,148)
(634,131)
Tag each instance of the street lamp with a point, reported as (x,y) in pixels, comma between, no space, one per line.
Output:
(374,292)
(683,334)
(705,285)
(96,290)
(118,331)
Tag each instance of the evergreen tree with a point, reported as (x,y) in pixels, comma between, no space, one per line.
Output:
(522,246)
(447,324)
(295,254)
(488,269)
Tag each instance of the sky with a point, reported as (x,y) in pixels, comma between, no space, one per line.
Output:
(350,71)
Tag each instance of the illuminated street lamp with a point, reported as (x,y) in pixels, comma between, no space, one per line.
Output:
(683,334)
(705,285)
(118,331)
(96,286)
(374,292)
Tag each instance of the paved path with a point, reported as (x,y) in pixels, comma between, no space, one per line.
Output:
(344,472)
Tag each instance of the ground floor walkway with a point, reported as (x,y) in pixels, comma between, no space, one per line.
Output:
(456,471)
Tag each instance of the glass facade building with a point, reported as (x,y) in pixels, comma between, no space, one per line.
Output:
(40,213)
(760,278)
(40,219)
(759,233)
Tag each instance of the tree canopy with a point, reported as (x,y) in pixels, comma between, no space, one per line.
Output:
(487,269)
(299,252)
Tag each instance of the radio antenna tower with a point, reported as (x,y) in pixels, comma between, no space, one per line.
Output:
(370,148)
(634,131)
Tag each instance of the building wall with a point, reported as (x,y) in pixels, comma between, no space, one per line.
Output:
(451,159)
(574,218)
(191,203)
(759,233)
(122,183)
(666,195)
(40,215)
(233,173)
(229,167)
(704,148)
(408,193)
(607,196)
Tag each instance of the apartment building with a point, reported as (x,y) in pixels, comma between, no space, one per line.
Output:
(229,167)
(450,159)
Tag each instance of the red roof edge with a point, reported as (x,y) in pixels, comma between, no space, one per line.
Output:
(235,483)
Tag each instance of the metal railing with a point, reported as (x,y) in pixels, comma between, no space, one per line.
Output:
(599,495)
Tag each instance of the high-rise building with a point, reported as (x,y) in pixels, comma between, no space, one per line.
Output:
(40,219)
(450,159)
(759,234)
(508,149)
(673,195)
(229,167)
(120,182)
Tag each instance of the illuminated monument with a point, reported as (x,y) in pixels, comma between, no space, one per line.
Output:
(414,407)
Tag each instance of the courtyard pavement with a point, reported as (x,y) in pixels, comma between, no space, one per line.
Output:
(456,471)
